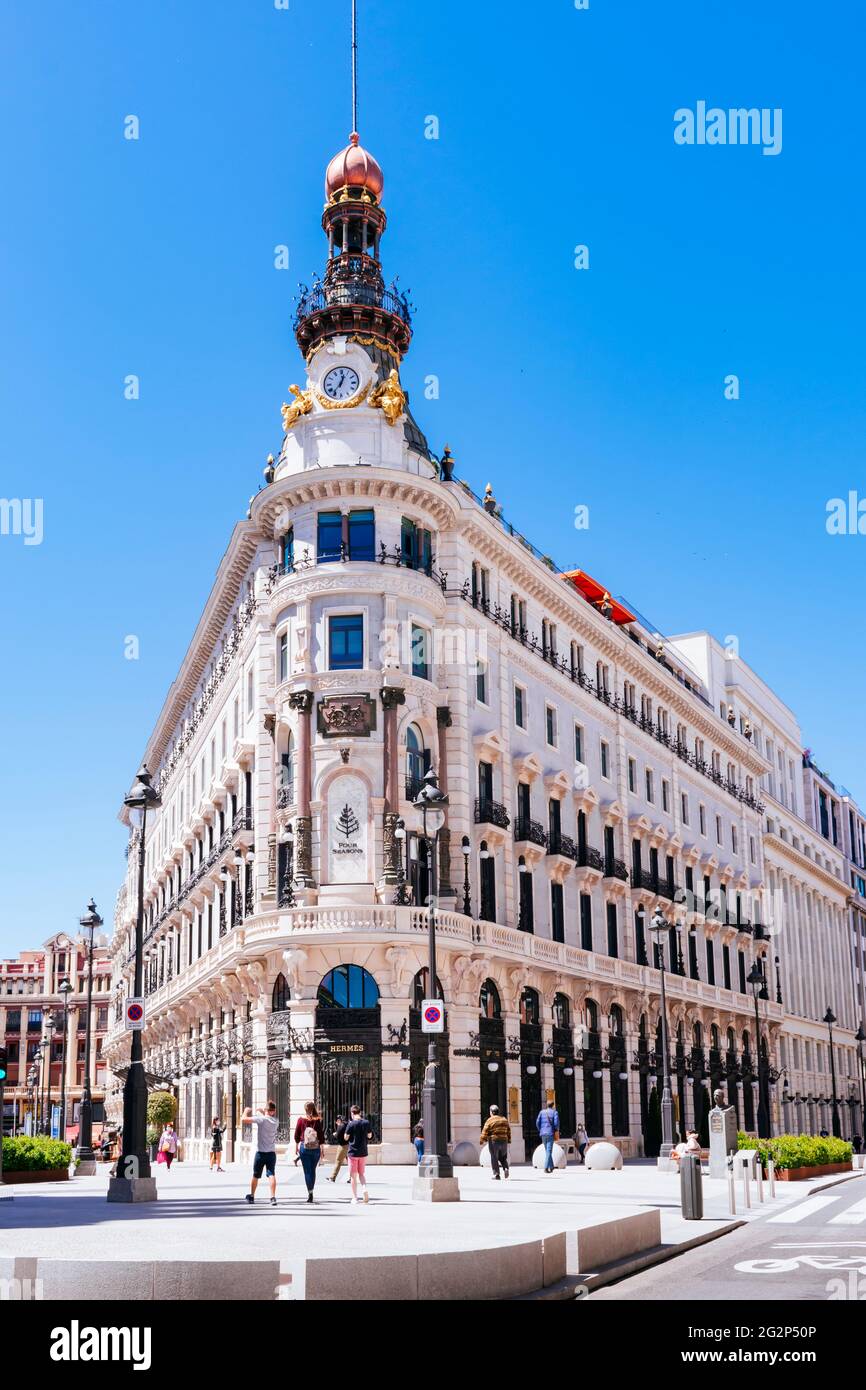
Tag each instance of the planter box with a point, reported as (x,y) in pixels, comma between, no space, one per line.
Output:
(819,1170)
(37,1175)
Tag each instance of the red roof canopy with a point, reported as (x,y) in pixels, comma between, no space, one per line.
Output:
(597,594)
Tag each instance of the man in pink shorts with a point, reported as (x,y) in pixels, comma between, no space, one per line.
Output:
(358,1135)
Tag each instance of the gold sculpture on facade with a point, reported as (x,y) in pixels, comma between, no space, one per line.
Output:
(301,405)
(389,397)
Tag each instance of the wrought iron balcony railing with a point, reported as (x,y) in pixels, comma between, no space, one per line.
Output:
(530,830)
(489,812)
(352,290)
(615,868)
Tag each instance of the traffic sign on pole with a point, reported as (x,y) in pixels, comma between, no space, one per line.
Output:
(432,1016)
(134,1014)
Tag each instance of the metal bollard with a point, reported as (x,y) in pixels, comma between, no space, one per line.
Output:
(732,1193)
(771,1178)
(745,1171)
(691,1187)
(759,1180)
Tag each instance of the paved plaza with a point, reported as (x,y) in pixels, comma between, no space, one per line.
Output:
(202,1216)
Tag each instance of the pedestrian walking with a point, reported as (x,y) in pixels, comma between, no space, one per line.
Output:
(496,1134)
(115,1152)
(265,1160)
(216,1144)
(547,1124)
(309,1139)
(581,1140)
(167,1151)
(358,1133)
(342,1143)
(418,1140)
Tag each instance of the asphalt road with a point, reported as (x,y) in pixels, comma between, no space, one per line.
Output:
(814,1250)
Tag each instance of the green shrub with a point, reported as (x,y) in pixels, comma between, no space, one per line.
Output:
(797,1150)
(30,1154)
(161,1109)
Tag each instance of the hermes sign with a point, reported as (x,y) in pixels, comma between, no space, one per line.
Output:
(342,715)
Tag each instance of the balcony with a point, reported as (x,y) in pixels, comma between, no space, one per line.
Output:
(413,788)
(530,832)
(561,856)
(493,813)
(616,868)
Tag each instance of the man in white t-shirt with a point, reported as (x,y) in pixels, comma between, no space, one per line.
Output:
(266,1148)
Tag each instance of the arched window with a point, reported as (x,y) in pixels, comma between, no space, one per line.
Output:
(417,761)
(592,1015)
(530,1010)
(348,987)
(488,1001)
(697,1036)
(280,997)
(732,1040)
(747,1044)
(419,989)
(561,1011)
(642,1026)
(616,1022)
(715,1039)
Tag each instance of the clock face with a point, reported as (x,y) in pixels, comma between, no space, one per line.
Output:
(341,383)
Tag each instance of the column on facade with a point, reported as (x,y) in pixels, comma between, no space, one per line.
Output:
(396,1141)
(392,698)
(301,701)
(446,888)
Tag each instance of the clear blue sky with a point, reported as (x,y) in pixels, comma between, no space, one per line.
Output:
(560,387)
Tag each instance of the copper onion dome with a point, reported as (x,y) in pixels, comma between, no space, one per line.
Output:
(353,167)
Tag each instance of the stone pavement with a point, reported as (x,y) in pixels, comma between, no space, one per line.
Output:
(202,1216)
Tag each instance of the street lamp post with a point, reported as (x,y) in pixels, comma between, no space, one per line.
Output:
(32,1091)
(830,1019)
(860,1038)
(755,979)
(65,989)
(134,1182)
(436,1180)
(47,1041)
(466,849)
(659,928)
(90,922)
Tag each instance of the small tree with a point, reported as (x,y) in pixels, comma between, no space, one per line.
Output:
(653,1136)
(161,1108)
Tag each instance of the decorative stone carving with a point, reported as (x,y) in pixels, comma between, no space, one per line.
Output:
(303,852)
(339,715)
(392,696)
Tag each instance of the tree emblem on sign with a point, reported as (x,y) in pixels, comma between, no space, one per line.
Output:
(347,822)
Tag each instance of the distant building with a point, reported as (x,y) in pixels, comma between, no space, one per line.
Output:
(30,1001)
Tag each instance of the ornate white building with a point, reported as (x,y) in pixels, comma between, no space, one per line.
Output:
(370,619)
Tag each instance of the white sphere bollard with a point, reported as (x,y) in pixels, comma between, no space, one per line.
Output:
(484,1157)
(603,1157)
(560,1157)
(465,1155)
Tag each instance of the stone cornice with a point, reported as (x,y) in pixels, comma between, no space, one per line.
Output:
(341,483)
(335,579)
(805,866)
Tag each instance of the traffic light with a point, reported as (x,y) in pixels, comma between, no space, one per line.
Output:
(4,1055)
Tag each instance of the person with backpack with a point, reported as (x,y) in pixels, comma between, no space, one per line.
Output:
(309,1141)
(358,1133)
(547,1125)
(342,1143)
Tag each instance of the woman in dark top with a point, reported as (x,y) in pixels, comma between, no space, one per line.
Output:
(309,1139)
(216,1145)
(418,1140)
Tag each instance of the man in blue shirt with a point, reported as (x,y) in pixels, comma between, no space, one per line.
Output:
(547,1125)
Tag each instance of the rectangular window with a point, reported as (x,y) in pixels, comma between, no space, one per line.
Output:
(711,962)
(420,652)
(550,724)
(586,921)
(250,694)
(734,839)
(362,535)
(702,819)
(752,855)
(666,795)
(481,682)
(283,658)
(612,931)
(578,744)
(718,830)
(329,541)
(416,546)
(632,775)
(650,788)
(289,551)
(605,760)
(557,912)
(684,806)
(346,642)
(520,707)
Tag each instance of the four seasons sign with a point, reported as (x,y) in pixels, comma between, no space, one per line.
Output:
(347,831)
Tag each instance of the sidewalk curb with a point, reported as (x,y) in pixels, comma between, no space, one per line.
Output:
(576,1286)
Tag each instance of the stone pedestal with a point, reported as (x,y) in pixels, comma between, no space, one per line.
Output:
(723,1138)
(132,1190)
(435,1190)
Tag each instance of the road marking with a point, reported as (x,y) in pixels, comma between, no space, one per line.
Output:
(799,1213)
(853,1216)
